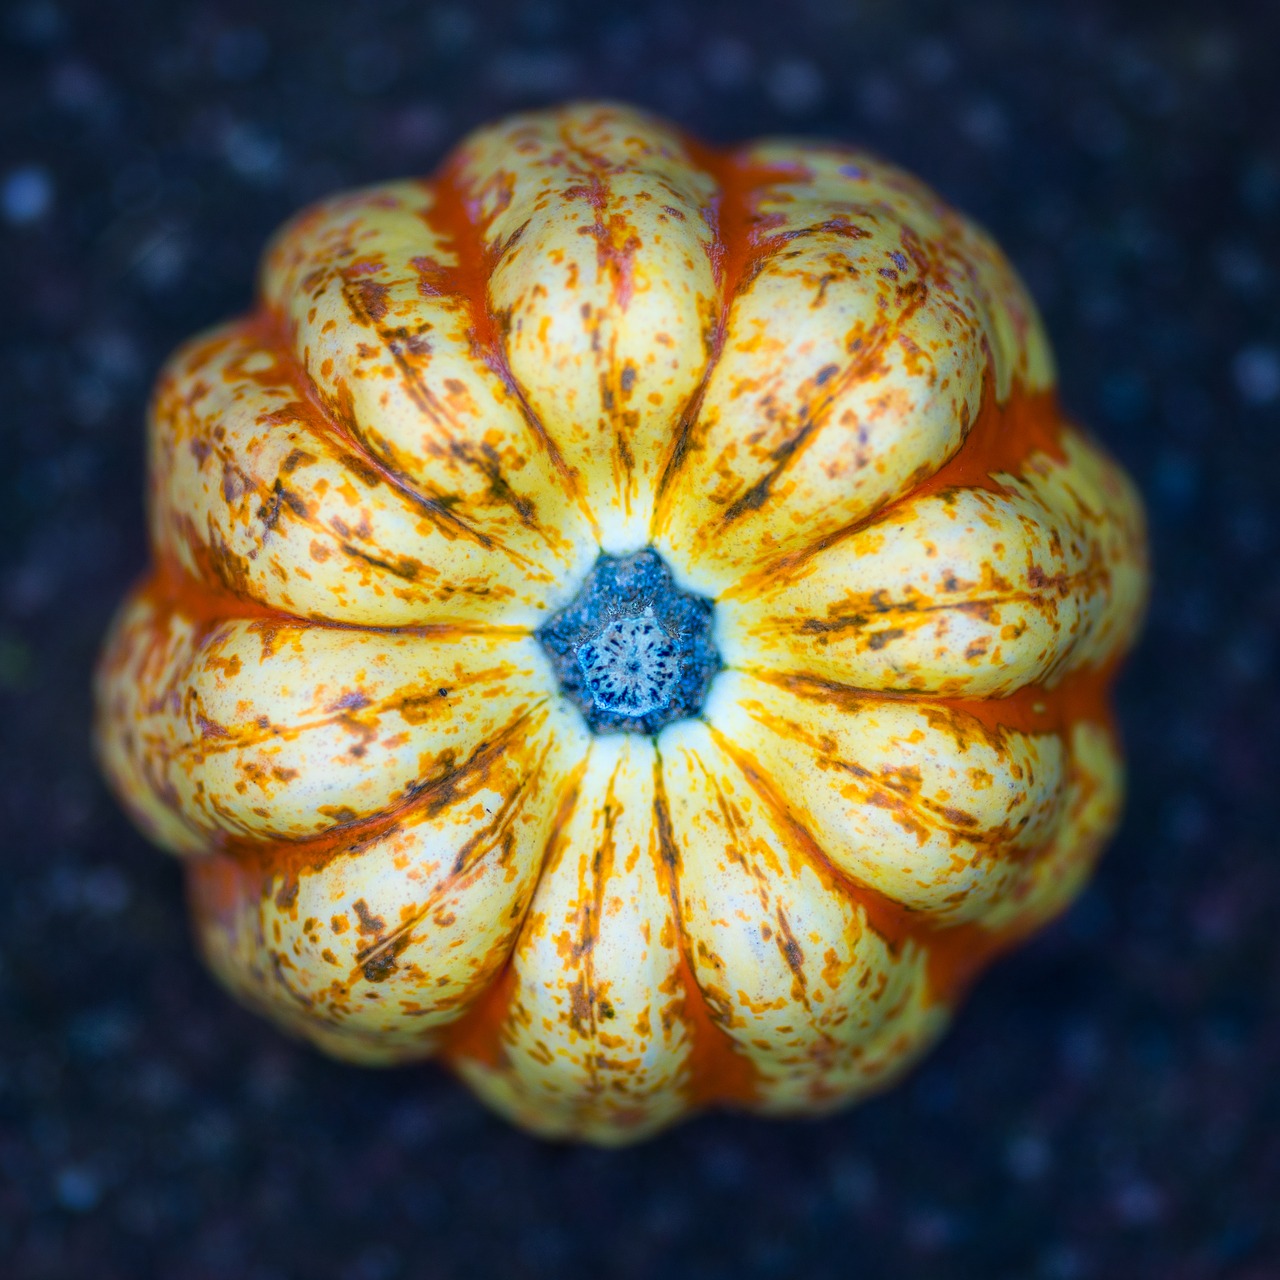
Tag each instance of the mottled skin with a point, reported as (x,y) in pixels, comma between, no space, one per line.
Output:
(826,400)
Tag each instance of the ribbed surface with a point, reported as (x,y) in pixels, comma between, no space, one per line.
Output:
(827,400)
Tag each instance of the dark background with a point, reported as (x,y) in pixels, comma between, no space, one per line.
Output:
(1108,1104)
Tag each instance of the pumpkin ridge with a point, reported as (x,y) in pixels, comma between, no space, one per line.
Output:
(1031,708)
(487,841)
(598,228)
(896,923)
(716,1068)
(287,732)
(788,452)
(316,851)
(429,405)
(997,442)
(909,614)
(619,269)
(325,420)
(736,258)
(477,1034)
(468,279)
(171,585)
(585,1016)
(954,952)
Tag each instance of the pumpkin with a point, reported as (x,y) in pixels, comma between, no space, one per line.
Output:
(628,619)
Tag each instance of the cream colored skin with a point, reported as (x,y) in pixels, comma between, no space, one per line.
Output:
(404,841)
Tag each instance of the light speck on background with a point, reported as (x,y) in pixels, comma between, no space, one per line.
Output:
(728,62)
(532,73)
(76,1189)
(796,86)
(1257,374)
(252,153)
(26,195)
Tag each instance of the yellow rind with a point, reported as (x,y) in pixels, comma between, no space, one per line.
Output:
(589,332)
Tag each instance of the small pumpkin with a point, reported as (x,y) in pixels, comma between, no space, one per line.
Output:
(628,619)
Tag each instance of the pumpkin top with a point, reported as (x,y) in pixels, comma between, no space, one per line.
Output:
(750,455)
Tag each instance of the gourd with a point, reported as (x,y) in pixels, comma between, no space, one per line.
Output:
(627,619)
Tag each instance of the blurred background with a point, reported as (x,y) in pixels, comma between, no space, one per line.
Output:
(1107,1105)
